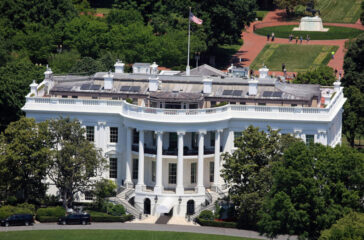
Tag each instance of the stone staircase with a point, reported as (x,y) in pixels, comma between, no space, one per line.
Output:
(211,197)
(123,196)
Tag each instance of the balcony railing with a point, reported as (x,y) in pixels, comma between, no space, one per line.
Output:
(174,151)
(191,115)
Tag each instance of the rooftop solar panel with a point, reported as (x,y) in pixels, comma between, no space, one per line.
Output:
(85,86)
(227,92)
(135,89)
(277,94)
(237,93)
(267,94)
(125,88)
(95,87)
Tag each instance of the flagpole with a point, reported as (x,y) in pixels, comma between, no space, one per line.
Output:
(189,39)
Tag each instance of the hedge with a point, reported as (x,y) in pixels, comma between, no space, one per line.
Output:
(210,223)
(47,219)
(9,210)
(123,218)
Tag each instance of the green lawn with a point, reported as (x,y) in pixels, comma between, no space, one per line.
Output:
(340,11)
(224,52)
(298,58)
(109,235)
(261,14)
(333,33)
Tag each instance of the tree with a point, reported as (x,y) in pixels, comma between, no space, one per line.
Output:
(247,171)
(312,187)
(75,161)
(62,63)
(24,160)
(290,5)
(15,78)
(88,65)
(123,17)
(362,13)
(104,188)
(353,81)
(350,226)
(323,75)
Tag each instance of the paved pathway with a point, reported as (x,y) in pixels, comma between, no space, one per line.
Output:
(147,227)
(253,43)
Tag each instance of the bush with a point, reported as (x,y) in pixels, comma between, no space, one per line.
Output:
(8,210)
(123,218)
(206,215)
(212,223)
(55,212)
(126,218)
(116,210)
(300,10)
(47,219)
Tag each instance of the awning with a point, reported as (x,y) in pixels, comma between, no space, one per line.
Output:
(165,206)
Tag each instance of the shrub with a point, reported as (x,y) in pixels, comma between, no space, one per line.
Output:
(51,212)
(123,218)
(206,215)
(27,206)
(116,210)
(8,210)
(212,223)
(126,217)
(47,219)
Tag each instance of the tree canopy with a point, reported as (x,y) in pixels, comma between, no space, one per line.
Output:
(323,75)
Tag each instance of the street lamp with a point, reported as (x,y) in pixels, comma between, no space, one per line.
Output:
(156,199)
(179,200)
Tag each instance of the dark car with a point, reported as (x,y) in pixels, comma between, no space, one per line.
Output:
(75,219)
(18,219)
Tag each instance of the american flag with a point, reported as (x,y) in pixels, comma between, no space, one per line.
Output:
(195,19)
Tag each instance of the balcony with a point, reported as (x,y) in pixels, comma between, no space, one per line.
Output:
(174,151)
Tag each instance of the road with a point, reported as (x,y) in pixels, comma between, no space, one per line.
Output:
(146,227)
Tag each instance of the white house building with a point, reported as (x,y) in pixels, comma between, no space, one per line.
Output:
(164,134)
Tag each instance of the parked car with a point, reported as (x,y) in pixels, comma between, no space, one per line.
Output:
(75,219)
(18,219)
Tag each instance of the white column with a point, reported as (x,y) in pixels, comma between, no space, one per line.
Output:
(140,185)
(128,182)
(217,159)
(201,139)
(179,188)
(158,188)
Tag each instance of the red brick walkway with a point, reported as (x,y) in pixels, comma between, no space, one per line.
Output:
(253,43)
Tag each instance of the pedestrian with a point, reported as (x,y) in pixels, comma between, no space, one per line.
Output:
(307,38)
(301,39)
(268,37)
(273,37)
(251,73)
(283,67)
(332,54)
(340,74)
(285,72)
(296,39)
(335,72)
(290,37)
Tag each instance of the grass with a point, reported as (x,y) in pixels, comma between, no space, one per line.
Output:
(109,235)
(333,33)
(261,14)
(298,58)
(224,52)
(339,11)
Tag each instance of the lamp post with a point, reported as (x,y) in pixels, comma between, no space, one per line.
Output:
(156,199)
(180,200)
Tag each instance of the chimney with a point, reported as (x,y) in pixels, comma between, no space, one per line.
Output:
(253,87)
(153,84)
(119,66)
(337,86)
(154,69)
(108,81)
(207,85)
(34,89)
(48,74)
(263,72)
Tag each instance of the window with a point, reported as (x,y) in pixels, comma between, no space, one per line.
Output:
(113,171)
(89,196)
(154,139)
(90,133)
(212,169)
(242,103)
(64,96)
(261,104)
(293,105)
(237,135)
(135,136)
(194,140)
(172,140)
(114,98)
(113,134)
(212,139)
(172,173)
(193,172)
(213,103)
(135,168)
(153,171)
(232,103)
(74,96)
(94,97)
(310,139)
